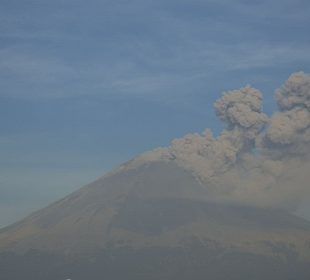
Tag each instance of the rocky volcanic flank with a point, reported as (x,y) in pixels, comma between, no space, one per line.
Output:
(203,208)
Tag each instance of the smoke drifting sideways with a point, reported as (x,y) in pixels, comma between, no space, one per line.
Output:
(256,160)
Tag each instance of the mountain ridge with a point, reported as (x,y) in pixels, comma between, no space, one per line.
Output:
(151,220)
(115,204)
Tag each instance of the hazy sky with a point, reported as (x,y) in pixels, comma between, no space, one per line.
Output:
(87,85)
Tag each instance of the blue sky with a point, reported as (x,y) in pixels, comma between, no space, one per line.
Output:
(87,85)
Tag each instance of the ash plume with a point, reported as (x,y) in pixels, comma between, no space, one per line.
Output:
(256,160)
(242,109)
(290,128)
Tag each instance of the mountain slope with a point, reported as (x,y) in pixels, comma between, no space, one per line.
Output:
(149,221)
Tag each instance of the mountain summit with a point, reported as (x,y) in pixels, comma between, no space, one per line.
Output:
(203,208)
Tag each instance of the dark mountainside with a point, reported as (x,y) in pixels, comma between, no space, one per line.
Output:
(150,222)
(203,208)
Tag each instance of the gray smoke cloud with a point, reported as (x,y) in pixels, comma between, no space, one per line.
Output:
(242,109)
(256,160)
(295,92)
(290,128)
(209,157)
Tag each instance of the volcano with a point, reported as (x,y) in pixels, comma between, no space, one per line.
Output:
(152,219)
(203,208)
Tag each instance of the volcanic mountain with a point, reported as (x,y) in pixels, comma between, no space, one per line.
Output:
(203,208)
(153,220)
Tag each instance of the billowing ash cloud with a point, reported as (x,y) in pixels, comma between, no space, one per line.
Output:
(291,126)
(205,154)
(255,160)
(242,109)
(295,92)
